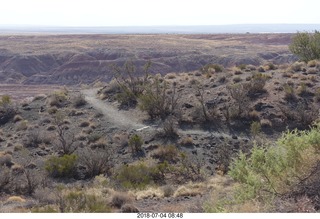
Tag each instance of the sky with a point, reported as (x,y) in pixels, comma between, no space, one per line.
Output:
(157,12)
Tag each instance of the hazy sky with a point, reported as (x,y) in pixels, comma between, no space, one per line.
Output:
(156,12)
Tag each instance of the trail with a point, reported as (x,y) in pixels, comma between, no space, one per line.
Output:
(122,120)
(115,116)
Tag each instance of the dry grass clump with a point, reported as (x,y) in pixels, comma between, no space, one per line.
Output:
(149,193)
(121,139)
(297,66)
(22,125)
(190,190)
(119,199)
(265,123)
(12,199)
(168,153)
(129,208)
(312,71)
(287,74)
(237,79)
(5,158)
(186,141)
(17,118)
(18,147)
(170,76)
(312,63)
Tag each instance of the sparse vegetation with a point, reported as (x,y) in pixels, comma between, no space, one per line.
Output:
(171,137)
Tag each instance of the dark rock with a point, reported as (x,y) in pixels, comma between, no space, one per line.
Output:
(234,137)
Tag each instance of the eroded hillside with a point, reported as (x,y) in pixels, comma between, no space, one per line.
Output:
(74,59)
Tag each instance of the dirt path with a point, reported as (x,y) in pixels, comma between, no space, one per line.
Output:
(124,121)
(115,116)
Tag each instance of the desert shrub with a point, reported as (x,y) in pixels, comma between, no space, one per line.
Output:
(130,82)
(5,178)
(266,123)
(290,94)
(312,71)
(168,191)
(317,94)
(222,79)
(93,137)
(186,142)
(188,169)
(255,128)
(129,208)
(120,199)
(239,93)
(168,153)
(312,63)
(52,110)
(17,118)
(141,175)
(84,124)
(65,141)
(157,101)
(303,90)
(297,66)
(274,171)
(79,100)
(211,68)
(96,162)
(306,45)
(256,84)
(61,167)
(237,79)
(271,66)
(169,129)
(135,143)
(134,176)
(208,111)
(58,99)
(7,109)
(33,140)
(81,202)
(5,159)
(242,66)
(22,125)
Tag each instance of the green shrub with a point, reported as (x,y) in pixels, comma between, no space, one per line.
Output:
(61,167)
(80,202)
(7,110)
(275,170)
(79,101)
(255,128)
(135,142)
(139,176)
(211,68)
(58,99)
(134,176)
(306,45)
(290,94)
